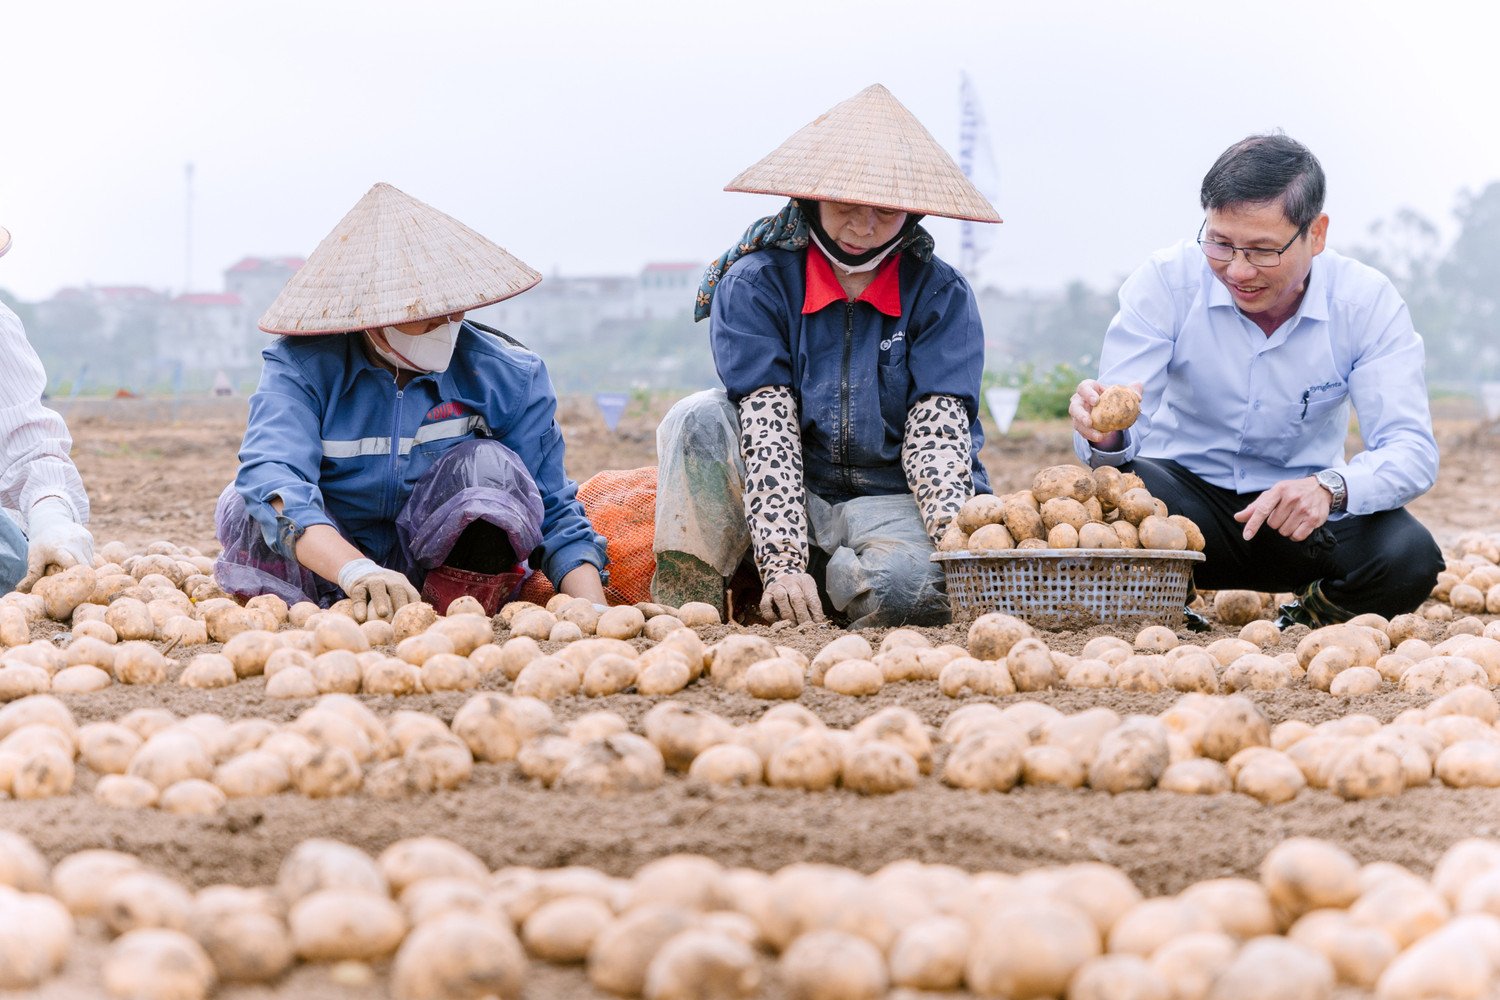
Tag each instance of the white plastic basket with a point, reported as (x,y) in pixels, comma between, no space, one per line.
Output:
(1070,588)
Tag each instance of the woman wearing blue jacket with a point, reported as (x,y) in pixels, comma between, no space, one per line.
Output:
(395,452)
(847,433)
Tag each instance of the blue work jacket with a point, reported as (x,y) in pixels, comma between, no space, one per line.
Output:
(331,434)
(855,371)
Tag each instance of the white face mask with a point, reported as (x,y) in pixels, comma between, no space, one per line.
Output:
(425,352)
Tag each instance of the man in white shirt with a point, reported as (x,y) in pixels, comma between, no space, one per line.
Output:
(41,494)
(1248,346)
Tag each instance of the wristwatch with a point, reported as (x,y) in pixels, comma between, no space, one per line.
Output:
(1334,484)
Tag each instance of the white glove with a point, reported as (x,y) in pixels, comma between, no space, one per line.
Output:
(377,592)
(54,539)
(793,598)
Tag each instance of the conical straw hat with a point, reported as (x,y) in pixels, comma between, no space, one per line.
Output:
(394,259)
(4,240)
(868,150)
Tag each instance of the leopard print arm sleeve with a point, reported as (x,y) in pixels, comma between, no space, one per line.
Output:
(771,443)
(935,457)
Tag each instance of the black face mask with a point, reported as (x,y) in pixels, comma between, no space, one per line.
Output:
(830,246)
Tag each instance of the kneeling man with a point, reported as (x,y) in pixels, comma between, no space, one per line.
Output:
(1248,346)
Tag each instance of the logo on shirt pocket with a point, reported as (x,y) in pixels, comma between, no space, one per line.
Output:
(895,338)
(1325,392)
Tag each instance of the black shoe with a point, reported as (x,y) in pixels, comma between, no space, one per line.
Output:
(1195,622)
(1294,614)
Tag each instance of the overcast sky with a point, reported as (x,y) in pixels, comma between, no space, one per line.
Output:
(592,136)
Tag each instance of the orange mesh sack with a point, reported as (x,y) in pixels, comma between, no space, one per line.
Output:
(621,505)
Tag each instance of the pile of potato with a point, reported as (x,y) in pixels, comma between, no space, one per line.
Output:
(1470,583)
(685,926)
(1071,507)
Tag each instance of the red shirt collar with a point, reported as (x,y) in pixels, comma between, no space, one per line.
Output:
(823,288)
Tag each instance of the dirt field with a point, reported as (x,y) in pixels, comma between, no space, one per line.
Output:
(154,471)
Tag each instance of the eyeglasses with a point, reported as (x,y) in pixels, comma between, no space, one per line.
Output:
(1258,256)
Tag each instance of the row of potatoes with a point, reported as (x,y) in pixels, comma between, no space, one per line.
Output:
(1005,656)
(685,926)
(1202,744)
(1071,507)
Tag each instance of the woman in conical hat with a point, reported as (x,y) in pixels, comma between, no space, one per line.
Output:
(45,507)
(847,434)
(395,451)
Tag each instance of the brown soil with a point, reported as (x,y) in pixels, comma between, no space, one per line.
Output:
(153,472)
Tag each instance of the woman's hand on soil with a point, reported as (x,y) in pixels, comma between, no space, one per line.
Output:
(793,598)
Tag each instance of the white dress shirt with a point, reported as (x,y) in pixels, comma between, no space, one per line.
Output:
(34,441)
(1245,411)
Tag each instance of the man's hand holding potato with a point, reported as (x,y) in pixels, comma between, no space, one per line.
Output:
(1105,434)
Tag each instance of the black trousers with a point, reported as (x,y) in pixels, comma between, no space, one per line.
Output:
(1384,562)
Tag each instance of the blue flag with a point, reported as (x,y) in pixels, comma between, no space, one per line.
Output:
(612,405)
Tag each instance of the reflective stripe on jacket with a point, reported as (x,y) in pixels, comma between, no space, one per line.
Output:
(329,432)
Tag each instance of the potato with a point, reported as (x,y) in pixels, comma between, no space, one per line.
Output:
(192,797)
(609,674)
(64,591)
(990,538)
(1195,540)
(1159,533)
(250,650)
(440,762)
(246,944)
(145,899)
(1130,757)
(831,965)
(1072,481)
(778,678)
(681,732)
(623,950)
(332,925)
(596,726)
(107,747)
(563,930)
(727,764)
(130,619)
(965,675)
(624,622)
(494,726)
(449,672)
(418,649)
(459,956)
(123,792)
(1301,874)
(1029,949)
(978,511)
(620,763)
(1118,408)
(318,864)
(878,768)
(36,934)
(702,963)
(730,658)
(988,760)
(991,636)
(856,678)
(1135,505)
(1469,764)
(207,671)
(902,728)
(1197,776)
(467,631)
(253,773)
(155,964)
(1110,977)
(1063,510)
(1021,523)
(1236,723)
(810,760)
(1051,765)
(1094,535)
(329,772)
(845,647)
